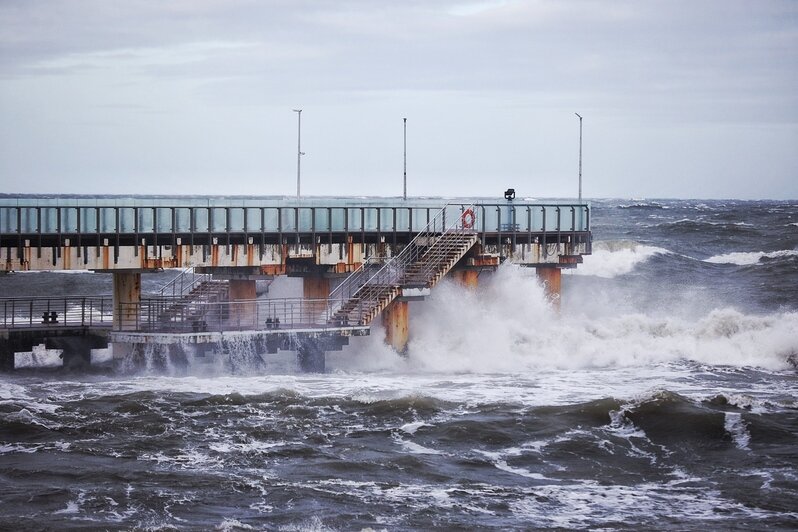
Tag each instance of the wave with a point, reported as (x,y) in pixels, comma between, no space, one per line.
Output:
(614,258)
(643,205)
(509,326)
(750,258)
(690,225)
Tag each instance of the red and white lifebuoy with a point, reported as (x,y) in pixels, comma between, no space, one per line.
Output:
(468,218)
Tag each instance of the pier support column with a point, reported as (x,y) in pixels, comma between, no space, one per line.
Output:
(127,295)
(394,319)
(120,351)
(467,278)
(75,350)
(316,287)
(6,356)
(243,292)
(552,283)
(310,356)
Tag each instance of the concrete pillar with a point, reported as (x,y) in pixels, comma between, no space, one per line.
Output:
(310,356)
(127,293)
(6,356)
(121,351)
(467,278)
(394,319)
(316,287)
(243,313)
(552,283)
(76,350)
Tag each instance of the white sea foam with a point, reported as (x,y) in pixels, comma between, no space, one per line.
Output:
(415,448)
(613,258)
(750,258)
(228,525)
(736,427)
(73,507)
(504,343)
(508,326)
(411,428)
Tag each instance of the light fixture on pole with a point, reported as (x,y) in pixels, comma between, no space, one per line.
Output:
(299,152)
(580,157)
(404,193)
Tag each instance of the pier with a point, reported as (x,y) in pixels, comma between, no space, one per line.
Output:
(359,259)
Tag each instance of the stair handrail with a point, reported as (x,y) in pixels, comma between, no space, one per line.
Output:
(355,280)
(435,255)
(181,285)
(393,270)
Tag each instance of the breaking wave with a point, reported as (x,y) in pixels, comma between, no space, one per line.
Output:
(613,258)
(751,258)
(509,326)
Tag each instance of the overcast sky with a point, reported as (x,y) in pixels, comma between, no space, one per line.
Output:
(691,99)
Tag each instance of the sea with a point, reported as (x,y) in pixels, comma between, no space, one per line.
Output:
(663,395)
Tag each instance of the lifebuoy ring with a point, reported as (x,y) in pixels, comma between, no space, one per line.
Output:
(468,218)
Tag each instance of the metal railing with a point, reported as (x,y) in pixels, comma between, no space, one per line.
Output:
(256,224)
(61,312)
(379,287)
(68,218)
(250,315)
(427,256)
(354,281)
(182,285)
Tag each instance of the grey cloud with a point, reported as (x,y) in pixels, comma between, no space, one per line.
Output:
(516,67)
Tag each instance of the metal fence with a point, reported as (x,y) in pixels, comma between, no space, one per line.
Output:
(182,284)
(44,312)
(169,316)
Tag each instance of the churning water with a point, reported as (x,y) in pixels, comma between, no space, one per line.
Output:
(661,397)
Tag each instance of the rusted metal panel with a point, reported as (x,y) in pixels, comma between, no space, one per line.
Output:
(395,322)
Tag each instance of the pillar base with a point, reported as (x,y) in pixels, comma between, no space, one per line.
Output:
(310,356)
(467,278)
(395,321)
(243,293)
(552,284)
(127,296)
(6,357)
(76,351)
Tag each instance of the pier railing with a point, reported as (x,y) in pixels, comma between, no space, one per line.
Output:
(55,312)
(186,281)
(347,289)
(76,222)
(150,315)
(370,293)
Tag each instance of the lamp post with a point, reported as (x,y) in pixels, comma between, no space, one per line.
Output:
(299,153)
(404,193)
(580,157)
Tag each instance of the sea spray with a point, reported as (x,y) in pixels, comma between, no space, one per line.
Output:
(507,325)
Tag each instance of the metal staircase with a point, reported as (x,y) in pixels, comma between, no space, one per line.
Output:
(187,297)
(421,264)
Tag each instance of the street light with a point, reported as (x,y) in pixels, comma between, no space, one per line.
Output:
(580,157)
(404,194)
(299,152)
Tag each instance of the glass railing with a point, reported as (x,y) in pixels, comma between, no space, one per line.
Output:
(83,215)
